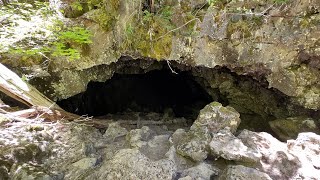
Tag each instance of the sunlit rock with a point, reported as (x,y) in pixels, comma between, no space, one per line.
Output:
(224,144)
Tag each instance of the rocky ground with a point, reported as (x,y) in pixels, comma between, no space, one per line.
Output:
(212,148)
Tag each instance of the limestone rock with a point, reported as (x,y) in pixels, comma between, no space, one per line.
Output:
(194,148)
(240,172)
(202,171)
(289,128)
(139,137)
(307,147)
(85,163)
(180,162)
(285,161)
(157,147)
(131,164)
(214,117)
(115,130)
(29,172)
(189,145)
(224,144)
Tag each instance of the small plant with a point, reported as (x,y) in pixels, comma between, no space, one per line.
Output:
(60,49)
(129,30)
(147,16)
(77,6)
(77,35)
(166,13)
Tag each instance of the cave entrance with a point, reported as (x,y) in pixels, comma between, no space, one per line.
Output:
(159,91)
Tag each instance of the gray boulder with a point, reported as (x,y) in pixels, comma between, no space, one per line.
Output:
(240,172)
(131,164)
(214,117)
(202,171)
(224,144)
(115,130)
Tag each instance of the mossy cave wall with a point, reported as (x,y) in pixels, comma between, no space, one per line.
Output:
(254,44)
(262,39)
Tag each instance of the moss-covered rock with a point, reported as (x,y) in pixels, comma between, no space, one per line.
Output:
(289,128)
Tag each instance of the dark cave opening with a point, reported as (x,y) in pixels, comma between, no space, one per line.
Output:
(146,90)
(154,91)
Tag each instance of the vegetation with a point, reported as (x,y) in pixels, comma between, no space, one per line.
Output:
(63,46)
(146,40)
(72,37)
(31,33)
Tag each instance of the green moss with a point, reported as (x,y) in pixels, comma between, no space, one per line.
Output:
(107,15)
(246,27)
(146,44)
(150,37)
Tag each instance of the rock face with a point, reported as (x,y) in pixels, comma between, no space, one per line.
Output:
(282,50)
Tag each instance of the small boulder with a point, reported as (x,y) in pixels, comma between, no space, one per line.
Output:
(86,163)
(224,144)
(189,145)
(131,164)
(289,128)
(240,172)
(195,148)
(115,130)
(157,147)
(201,171)
(139,137)
(214,117)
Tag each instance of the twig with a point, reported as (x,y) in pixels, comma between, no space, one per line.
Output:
(177,28)
(49,109)
(139,9)
(45,62)
(174,72)
(195,14)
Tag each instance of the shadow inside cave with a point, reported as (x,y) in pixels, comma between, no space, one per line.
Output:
(155,91)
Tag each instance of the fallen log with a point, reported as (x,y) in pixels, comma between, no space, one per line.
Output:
(13,86)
